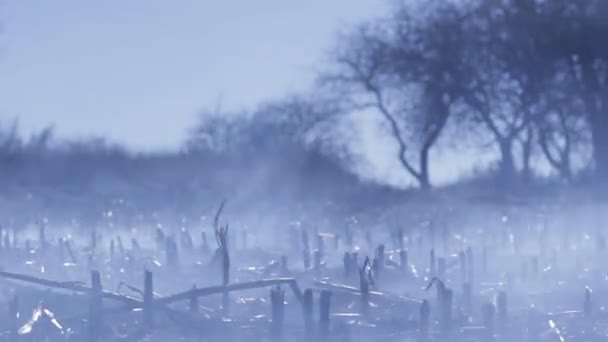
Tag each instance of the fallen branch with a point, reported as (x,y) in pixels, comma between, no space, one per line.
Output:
(232,287)
(355,291)
(69,286)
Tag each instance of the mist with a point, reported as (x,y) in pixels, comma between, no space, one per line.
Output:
(419,171)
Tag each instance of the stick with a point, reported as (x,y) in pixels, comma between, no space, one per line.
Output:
(348,265)
(502,308)
(277,300)
(441,268)
(306,250)
(307,310)
(467,297)
(13,313)
(207,291)
(148,299)
(471,266)
(68,248)
(364,276)
(96,306)
(357,292)
(432,263)
(112,250)
(462,259)
(425,315)
(70,286)
(587,305)
(488,311)
(446,311)
(193,305)
(216,219)
(403,262)
(317,257)
(325,303)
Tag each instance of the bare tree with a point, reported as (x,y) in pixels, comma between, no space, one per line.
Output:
(408,69)
(303,120)
(299,119)
(562,131)
(10,141)
(495,104)
(527,142)
(509,75)
(218,132)
(573,36)
(589,60)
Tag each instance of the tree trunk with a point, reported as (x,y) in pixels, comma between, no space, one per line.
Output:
(561,161)
(424,177)
(527,147)
(566,171)
(597,109)
(507,163)
(599,130)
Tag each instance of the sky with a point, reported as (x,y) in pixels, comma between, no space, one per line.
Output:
(140,71)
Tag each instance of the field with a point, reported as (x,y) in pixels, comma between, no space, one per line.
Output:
(423,271)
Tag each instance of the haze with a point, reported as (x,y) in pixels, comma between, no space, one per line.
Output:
(104,67)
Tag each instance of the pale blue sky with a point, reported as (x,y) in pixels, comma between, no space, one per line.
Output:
(138,71)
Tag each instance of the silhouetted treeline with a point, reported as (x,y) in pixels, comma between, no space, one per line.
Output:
(522,79)
(526,79)
(527,75)
(260,171)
